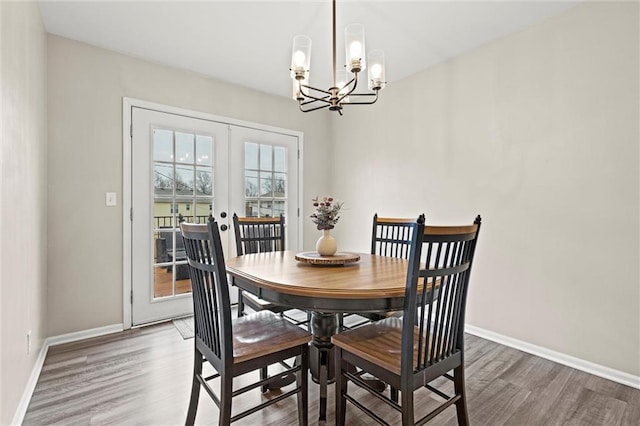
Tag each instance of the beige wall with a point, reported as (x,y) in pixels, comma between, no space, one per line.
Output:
(86,86)
(23,198)
(538,132)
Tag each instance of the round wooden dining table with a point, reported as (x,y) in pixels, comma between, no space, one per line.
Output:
(372,284)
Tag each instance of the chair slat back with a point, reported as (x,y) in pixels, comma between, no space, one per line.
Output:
(435,299)
(211,303)
(392,237)
(258,234)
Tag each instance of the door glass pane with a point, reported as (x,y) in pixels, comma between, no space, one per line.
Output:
(279,185)
(162,145)
(251,208)
(266,157)
(184,148)
(266,208)
(203,210)
(204,181)
(163,213)
(279,159)
(183,191)
(184,180)
(251,156)
(266,186)
(278,208)
(251,183)
(204,150)
(163,281)
(163,179)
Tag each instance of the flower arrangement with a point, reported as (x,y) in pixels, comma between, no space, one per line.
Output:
(327,212)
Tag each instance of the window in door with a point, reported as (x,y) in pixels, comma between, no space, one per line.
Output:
(265,179)
(183,191)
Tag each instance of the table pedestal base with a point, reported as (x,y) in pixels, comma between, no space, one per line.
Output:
(323,326)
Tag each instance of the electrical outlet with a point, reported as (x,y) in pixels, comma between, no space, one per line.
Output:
(28,342)
(110,199)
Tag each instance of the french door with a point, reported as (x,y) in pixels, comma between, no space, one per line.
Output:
(184,169)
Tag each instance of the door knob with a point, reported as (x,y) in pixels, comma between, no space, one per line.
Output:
(223,227)
(223,214)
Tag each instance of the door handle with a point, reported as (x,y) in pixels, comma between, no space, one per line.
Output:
(223,227)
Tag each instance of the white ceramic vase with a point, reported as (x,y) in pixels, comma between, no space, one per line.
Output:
(326,244)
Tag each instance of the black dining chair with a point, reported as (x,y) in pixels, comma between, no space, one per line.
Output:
(390,237)
(410,352)
(261,235)
(258,235)
(237,346)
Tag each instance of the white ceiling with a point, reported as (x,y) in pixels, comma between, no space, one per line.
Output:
(249,42)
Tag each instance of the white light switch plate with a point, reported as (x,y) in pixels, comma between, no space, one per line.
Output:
(111,199)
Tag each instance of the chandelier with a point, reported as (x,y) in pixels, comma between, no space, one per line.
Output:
(344,84)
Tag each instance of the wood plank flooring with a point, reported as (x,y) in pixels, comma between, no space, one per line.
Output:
(142,377)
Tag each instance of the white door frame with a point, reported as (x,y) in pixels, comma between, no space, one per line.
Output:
(127,105)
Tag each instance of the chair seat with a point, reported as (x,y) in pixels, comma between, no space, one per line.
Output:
(378,342)
(263,333)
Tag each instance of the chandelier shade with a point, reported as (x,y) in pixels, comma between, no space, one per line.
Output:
(354,47)
(376,70)
(301,56)
(344,79)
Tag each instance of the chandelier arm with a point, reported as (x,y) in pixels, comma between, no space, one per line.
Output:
(312,88)
(311,101)
(354,79)
(363,103)
(312,109)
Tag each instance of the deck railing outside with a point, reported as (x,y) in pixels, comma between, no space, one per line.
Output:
(168,221)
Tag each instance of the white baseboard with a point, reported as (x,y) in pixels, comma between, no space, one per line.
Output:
(84,334)
(18,417)
(564,359)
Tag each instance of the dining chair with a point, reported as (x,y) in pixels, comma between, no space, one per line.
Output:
(258,235)
(236,346)
(390,237)
(410,352)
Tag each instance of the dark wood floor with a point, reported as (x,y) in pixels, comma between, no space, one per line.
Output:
(142,377)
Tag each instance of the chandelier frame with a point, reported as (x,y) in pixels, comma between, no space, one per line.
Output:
(312,98)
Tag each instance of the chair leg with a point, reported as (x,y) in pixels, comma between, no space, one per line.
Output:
(240,304)
(263,375)
(340,388)
(461,404)
(407,408)
(302,381)
(195,388)
(394,394)
(226,391)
